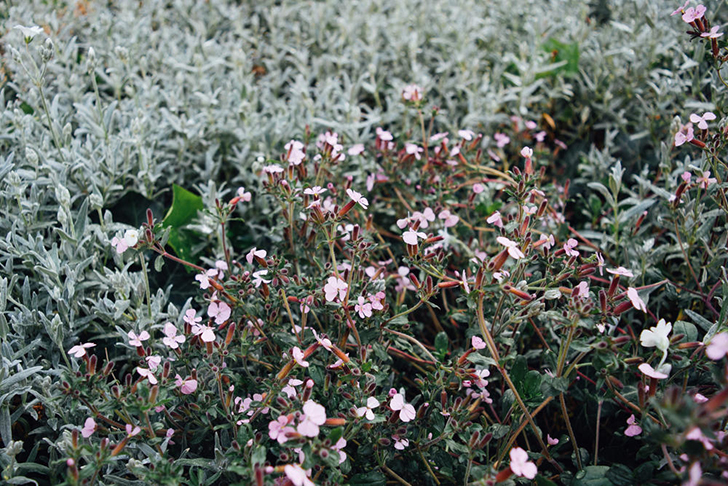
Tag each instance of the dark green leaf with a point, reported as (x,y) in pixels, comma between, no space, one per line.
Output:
(183,211)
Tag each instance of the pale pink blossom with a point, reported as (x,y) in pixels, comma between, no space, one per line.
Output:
(633,429)
(363,307)
(702,121)
(340,444)
(172,339)
(244,195)
(620,271)
(718,346)
(258,278)
(89,427)
(477,342)
(680,10)
(400,443)
(272,169)
(450,219)
(411,236)
(527,152)
(413,149)
(148,374)
(501,139)
(153,362)
(705,180)
(135,340)
(323,341)
(439,136)
(696,434)
(335,288)
(412,92)
(220,311)
(368,411)
(713,34)
(495,219)
(297,475)
(132,430)
(548,241)
(253,253)
(466,134)
(686,176)
(278,429)
(406,410)
(358,198)
(377,300)
(206,333)
(356,149)
(634,297)
(513,250)
(384,135)
(657,336)
(692,14)
(648,370)
(299,357)
(204,281)
(478,188)
(531,125)
(190,317)
(685,134)
(551,441)
(79,350)
(520,465)
(569,247)
(314,415)
(695,475)
(314,191)
(186,386)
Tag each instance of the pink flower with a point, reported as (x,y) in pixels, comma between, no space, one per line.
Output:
(314,416)
(411,237)
(244,195)
(551,441)
(255,253)
(686,176)
(153,362)
(450,219)
(295,152)
(513,249)
(89,427)
(135,340)
(501,139)
(278,429)
(477,342)
(527,152)
(548,241)
(466,134)
(186,386)
(148,375)
(356,149)
(190,317)
(79,350)
(323,341)
(399,443)
(569,247)
(531,125)
(680,10)
(314,191)
(377,300)
(718,346)
(412,92)
(702,121)
(297,475)
(705,180)
(258,278)
(634,297)
(335,288)
(220,311)
(620,271)
(206,333)
(363,307)
(495,219)
(340,444)
(406,410)
(695,475)
(272,169)
(520,465)
(299,357)
(204,281)
(651,372)
(384,135)
(478,188)
(358,198)
(692,14)
(413,149)
(439,136)
(713,34)
(172,340)
(132,431)
(633,428)
(367,411)
(684,135)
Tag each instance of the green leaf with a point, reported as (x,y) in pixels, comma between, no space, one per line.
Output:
(565,58)
(518,372)
(441,343)
(183,211)
(620,475)
(687,328)
(592,476)
(372,478)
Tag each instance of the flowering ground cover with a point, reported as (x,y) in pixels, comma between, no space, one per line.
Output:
(363,243)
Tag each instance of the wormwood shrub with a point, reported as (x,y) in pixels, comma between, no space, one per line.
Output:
(418,309)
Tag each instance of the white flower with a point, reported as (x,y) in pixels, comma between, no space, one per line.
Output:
(656,337)
(131,237)
(29,32)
